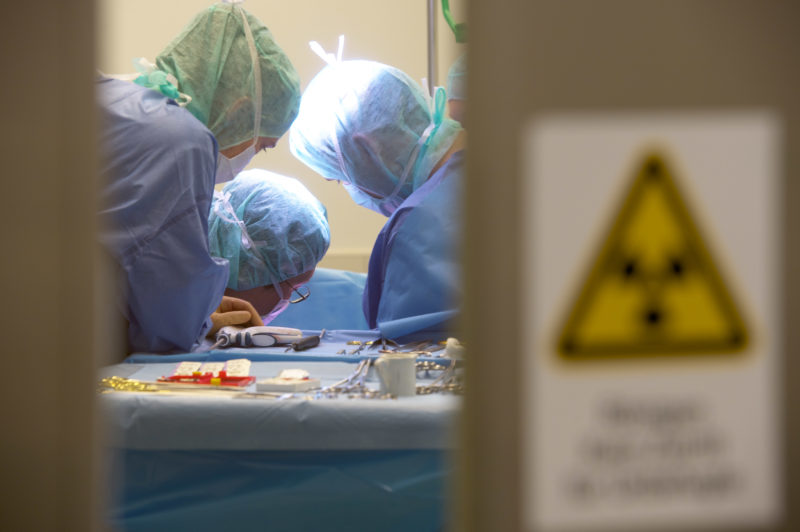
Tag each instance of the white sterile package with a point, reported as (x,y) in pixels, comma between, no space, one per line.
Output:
(288,380)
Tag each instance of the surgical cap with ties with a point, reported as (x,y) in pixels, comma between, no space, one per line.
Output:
(269,227)
(372,127)
(227,61)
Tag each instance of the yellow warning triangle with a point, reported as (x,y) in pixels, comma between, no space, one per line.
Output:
(653,288)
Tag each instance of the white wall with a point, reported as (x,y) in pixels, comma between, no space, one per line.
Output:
(390,32)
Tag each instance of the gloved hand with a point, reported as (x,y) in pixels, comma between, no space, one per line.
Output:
(234,311)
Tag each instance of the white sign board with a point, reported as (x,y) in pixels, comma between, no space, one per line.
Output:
(652,310)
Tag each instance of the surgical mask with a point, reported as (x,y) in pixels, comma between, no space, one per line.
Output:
(279,307)
(229,167)
(385,206)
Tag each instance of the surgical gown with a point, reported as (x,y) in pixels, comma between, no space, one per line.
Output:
(159,164)
(413,281)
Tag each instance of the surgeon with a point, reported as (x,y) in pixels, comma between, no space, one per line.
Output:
(218,93)
(273,232)
(373,129)
(457,90)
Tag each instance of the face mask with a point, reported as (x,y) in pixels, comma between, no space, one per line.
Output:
(228,168)
(280,307)
(385,206)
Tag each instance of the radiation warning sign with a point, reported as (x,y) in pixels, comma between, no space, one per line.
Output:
(654,288)
(652,315)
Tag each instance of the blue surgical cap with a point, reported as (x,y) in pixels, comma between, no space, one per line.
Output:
(370,126)
(269,227)
(216,63)
(457,79)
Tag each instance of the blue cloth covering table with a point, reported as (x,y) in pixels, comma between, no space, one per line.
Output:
(221,462)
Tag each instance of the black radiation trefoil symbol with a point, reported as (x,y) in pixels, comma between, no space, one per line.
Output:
(653,288)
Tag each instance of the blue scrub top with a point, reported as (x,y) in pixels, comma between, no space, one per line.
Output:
(159,163)
(413,281)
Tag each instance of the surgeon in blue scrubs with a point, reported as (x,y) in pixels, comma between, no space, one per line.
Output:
(373,129)
(220,92)
(273,232)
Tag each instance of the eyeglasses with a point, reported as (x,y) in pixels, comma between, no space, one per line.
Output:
(302,294)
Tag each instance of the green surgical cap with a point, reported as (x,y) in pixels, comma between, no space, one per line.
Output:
(212,62)
(269,227)
(370,125)
(457,79)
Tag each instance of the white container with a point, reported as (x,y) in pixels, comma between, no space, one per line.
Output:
(398,374)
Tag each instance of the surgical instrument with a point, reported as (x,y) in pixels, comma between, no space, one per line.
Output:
(259,336)
(306,343)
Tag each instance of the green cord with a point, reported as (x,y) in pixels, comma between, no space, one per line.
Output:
(459,30)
